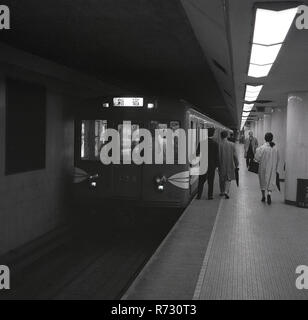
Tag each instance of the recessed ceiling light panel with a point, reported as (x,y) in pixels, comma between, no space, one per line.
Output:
(272,27)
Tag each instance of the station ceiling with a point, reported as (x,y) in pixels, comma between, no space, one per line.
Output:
(289,73)
(144,46)
(197,50)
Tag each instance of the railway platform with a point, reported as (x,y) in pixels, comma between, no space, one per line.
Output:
(231,249)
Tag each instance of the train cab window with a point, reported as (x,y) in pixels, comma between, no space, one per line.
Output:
(129,138)
(162,140)
(193,138)
(92,138)
(25,127)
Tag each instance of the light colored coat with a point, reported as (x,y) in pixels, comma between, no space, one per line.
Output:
(268,159)
(254,144)
(228,160)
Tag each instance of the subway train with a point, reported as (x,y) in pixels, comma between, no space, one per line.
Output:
(160,183)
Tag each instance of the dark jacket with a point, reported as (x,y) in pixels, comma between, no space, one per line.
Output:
(213,154)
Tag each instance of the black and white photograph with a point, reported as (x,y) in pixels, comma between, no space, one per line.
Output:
(154,153)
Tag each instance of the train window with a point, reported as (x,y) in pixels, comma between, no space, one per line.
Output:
(198,134)
(25,127)
(193,138)
(175,125)
(161,143)
(162,140)
(92,138)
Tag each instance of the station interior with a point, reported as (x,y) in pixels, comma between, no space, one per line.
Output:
(72,228)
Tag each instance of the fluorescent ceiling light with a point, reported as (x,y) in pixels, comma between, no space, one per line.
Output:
(243,124)
(254,89)
(248,106)
(250,99)
(263,55)
(252,92)
(257,71)
(272,27)
(247,109)
(270,30)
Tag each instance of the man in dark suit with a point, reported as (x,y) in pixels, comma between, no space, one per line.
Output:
(213,163)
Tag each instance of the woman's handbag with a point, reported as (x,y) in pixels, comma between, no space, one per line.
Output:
(254,167)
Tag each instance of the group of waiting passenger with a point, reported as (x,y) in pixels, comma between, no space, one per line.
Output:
(224,157)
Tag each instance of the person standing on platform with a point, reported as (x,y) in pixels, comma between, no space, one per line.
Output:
(250,146)
(213,163)
(228,163)
(268,157)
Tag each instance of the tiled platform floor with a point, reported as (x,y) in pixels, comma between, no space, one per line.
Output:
(256,248)
(173,271)
(252,253)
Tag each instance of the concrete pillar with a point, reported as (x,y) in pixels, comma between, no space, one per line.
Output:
(260,131)
(248,130)
(297,143)
(267,123)
(255,133)
(253,127)
(278,128)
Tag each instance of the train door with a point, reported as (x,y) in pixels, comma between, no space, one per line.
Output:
(127,177)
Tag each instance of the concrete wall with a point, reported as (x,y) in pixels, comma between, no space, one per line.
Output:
(33,203)
(297,143)
(278,128)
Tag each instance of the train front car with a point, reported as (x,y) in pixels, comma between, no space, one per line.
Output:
(138,150)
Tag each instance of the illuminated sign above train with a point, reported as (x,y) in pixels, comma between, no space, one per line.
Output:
(128,102)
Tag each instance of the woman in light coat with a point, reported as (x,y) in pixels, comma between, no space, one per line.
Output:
(268,157)
(228,161)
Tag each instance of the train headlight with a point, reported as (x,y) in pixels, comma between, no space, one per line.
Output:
(150,105)
(92,180)
(160,182)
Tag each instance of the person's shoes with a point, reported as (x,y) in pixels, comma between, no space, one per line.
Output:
(210,198)
(227,196)
(221,194)
(269,199)
(198,198)
(263,199)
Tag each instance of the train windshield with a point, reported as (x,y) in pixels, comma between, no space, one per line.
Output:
(129,138)
(92,138)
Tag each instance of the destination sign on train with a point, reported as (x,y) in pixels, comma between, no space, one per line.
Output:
(128,102)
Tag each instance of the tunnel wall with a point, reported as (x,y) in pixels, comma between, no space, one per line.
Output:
(33,203)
